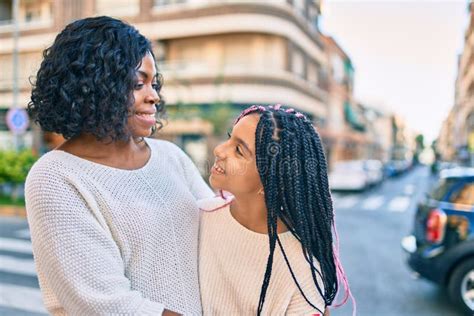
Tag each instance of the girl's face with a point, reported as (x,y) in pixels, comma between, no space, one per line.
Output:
(142,117)
(235,168)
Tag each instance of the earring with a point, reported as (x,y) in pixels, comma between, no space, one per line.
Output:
(261,192)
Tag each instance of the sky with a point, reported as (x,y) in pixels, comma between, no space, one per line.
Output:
(405,54)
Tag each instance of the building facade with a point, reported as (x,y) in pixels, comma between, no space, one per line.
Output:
(456,139)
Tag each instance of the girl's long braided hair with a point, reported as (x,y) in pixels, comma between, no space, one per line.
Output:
(292,166)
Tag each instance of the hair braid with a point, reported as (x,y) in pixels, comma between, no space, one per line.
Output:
(292,167)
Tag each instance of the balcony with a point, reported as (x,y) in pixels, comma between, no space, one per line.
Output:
(198,82)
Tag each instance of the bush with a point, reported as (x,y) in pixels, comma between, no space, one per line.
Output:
(14,167)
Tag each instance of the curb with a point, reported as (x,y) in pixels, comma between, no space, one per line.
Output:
(10,210)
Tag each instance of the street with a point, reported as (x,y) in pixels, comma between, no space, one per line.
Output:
(370,226)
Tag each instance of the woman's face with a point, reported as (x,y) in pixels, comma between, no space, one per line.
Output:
(235,168)
(142,117)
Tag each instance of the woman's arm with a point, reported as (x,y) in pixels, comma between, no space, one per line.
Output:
(75,255)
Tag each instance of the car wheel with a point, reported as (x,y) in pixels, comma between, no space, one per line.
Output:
(461,286)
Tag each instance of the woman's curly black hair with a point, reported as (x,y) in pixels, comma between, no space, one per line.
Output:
(86,80)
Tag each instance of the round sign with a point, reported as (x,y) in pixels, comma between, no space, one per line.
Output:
(17,120)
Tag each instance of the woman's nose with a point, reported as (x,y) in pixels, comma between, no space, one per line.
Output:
(153,97)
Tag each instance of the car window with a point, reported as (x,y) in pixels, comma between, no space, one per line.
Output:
(440,190)
(464,196)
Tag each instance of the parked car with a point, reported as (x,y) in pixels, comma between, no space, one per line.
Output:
(348,175)
(375,172)
(355,175)
(441,248)
(398,166)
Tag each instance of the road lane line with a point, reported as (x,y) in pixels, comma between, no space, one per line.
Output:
(399,204)
(347,202)
(15,245)
(409,189)
(372,203)
(23,233)
(17,265)
(22,298)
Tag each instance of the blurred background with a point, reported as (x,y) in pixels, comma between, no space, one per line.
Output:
(389,86)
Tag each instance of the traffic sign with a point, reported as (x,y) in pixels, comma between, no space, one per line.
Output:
(17,120)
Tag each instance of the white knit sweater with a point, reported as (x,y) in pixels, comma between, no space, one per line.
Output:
(232,262)
(108,241)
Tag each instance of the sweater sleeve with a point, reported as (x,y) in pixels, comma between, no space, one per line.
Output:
(298,305)
(196,183)
(76,256)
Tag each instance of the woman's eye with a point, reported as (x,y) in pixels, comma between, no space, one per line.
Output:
(156,86)
(138,86)
(228,135)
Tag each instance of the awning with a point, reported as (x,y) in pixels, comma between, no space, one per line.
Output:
(352,118)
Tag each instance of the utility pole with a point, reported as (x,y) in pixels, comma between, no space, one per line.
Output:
(17,118)
(16,136)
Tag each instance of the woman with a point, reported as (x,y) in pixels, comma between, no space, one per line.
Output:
(113,215)
(269,249)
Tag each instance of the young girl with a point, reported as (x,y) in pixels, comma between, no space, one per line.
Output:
(268,249)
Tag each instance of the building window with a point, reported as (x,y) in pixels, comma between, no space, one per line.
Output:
(297,63)
(6,11)
(117,7)
(3,120)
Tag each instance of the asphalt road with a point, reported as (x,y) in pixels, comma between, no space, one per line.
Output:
(371,225)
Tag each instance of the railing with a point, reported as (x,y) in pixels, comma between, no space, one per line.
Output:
(7,25)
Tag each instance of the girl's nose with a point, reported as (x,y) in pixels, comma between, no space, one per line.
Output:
(219,152)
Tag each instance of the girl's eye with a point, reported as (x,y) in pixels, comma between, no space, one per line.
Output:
(156,86)
(228,135)
(138,86)
(237,149)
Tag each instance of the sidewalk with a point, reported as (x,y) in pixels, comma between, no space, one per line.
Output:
(11,210)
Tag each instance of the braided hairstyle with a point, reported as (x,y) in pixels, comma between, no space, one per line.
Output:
(293,170)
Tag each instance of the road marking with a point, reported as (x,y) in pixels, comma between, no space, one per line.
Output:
(374,202)
(14,296)
(409,189)
(15,245)
(399,204)
(23,233)
(17,265)
(347,202)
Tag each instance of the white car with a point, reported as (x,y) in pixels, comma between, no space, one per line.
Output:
(349,175)
(374,169)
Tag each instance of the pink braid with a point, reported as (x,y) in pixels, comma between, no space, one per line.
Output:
(341,275)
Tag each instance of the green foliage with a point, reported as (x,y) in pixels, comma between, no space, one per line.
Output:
(420,141)
(14,166)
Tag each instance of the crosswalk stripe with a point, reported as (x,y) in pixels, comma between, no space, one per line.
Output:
(17,265)
(399,204)
(409,189)
(14,296)
(347,202)
(15,245)
(373,202)
(23,233)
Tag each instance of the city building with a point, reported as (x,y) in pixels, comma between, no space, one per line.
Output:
(456,139)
